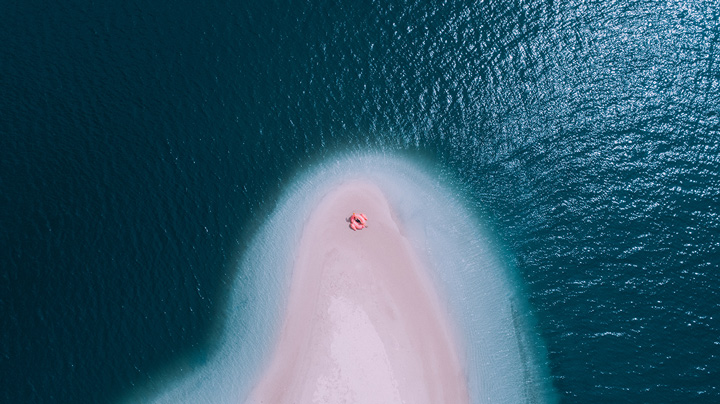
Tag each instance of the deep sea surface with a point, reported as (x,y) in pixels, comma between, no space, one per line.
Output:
(143,144)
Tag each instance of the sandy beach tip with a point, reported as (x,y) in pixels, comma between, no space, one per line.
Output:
(363,323)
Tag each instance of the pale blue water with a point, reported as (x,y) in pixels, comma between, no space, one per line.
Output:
(503,360)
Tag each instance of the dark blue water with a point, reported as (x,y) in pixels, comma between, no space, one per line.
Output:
(142,146)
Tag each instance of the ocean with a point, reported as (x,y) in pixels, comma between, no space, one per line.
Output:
(145,145)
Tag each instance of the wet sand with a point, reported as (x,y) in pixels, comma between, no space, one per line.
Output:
(363,322)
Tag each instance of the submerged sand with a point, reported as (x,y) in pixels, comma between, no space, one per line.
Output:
(363,322)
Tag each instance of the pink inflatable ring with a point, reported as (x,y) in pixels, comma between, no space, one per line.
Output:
(358,221)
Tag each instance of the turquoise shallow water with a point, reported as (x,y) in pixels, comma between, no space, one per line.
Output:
(143,145)
(503,360)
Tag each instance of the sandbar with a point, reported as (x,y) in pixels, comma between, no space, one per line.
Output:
(363,323)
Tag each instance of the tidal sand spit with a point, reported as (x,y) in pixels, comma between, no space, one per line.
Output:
(363,323)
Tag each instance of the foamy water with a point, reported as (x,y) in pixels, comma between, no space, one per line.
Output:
(502,358)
